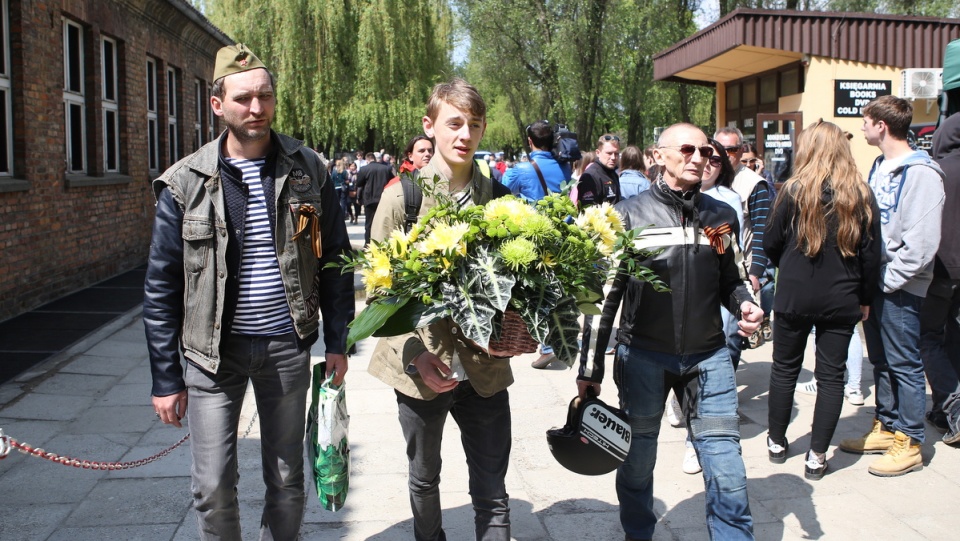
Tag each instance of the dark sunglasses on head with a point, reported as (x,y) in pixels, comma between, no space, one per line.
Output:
(610,138)
(687,150)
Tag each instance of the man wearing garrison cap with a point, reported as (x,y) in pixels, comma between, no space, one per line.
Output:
(235,279)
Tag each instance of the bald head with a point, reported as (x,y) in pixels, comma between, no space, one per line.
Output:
(682,168)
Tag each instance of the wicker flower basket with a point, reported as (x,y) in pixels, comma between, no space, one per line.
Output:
(514,335)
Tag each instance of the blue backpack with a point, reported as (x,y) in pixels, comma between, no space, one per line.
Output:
(566,149)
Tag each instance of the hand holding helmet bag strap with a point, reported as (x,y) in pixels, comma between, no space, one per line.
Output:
(543,183)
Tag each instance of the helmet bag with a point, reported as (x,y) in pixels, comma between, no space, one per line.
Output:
(595,439)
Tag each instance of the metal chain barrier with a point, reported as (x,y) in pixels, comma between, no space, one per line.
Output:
(7,443)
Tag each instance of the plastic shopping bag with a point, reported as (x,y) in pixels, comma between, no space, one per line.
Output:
(328,450)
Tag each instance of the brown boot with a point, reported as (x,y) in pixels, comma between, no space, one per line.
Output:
(875,442)
(903,457)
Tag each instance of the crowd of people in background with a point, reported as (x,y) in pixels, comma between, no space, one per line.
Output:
(882,249)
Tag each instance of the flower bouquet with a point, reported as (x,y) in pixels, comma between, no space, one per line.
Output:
(543,260)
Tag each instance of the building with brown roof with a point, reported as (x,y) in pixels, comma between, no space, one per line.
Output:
(776,71)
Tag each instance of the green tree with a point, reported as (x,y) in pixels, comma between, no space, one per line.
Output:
(349,73)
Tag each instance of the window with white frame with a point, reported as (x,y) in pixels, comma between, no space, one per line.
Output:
(74,98)
(111,106)
(211,118)
(198,114)
(173,153)
(6,101)
(153,134)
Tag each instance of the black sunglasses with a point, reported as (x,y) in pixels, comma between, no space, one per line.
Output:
(715,161)
(610,138)
(687,150)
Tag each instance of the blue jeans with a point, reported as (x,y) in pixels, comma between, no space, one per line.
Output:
(485,433)
(940,346)
(710,406)
(280,372)
(893,343)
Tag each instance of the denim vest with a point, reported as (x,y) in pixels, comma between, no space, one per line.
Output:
(196,186)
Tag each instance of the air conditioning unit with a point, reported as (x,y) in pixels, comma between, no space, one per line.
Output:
(921,83)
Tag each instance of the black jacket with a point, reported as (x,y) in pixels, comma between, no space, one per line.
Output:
(685,320)
(598,184)
(828,287)
(946,152)
(371,179)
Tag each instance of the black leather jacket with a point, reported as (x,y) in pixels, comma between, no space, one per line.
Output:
(685,320)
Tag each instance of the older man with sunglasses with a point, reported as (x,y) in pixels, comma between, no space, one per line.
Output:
(675,339)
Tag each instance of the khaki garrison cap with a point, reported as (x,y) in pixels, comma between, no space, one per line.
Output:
(234,59)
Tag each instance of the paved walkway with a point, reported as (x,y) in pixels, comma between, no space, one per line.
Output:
(92,402)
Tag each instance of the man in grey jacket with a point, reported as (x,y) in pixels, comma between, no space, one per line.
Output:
(235,279)
(909,190)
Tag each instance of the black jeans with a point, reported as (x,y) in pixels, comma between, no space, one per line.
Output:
(485,433)
(940,346)
(789,340)
(368,212)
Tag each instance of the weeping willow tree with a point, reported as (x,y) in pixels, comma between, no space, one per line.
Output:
(349,73)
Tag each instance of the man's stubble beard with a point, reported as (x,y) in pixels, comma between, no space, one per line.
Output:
(245,135)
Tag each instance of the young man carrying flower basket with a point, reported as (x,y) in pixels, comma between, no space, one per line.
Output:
(434,370)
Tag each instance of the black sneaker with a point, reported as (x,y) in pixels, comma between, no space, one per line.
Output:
(815,466)
(938,420)
(776,451)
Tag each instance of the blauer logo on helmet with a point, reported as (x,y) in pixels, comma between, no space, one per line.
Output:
(606,430)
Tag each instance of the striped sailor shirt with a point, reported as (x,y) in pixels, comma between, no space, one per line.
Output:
(262,308)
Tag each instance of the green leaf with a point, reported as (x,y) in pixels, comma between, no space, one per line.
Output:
(540,296)
(564,331)
(474,315)
(373,317)
(410,317)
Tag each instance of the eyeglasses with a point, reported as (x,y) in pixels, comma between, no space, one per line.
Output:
(687,150)
(751,161)
(732,150)
(610,138)
(715,161)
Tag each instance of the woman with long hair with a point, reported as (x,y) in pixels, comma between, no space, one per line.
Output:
(824,235)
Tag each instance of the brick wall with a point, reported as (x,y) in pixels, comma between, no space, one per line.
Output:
(59,232)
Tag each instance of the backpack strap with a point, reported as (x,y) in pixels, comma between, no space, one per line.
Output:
(543,183)
(412,199)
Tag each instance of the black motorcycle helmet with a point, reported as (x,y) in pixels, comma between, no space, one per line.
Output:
(595,439)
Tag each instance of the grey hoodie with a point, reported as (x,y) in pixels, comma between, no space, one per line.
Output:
(911,202)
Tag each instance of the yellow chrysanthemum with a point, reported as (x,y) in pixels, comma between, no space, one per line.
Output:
(613,217)
(446,237)
(508,209)
(518,252)
(602,224)
(398,243)
(379,273)
(537,226)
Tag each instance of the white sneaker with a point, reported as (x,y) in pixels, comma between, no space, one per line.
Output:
(691,464)
(855,397)
(673,407)
(809,387)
